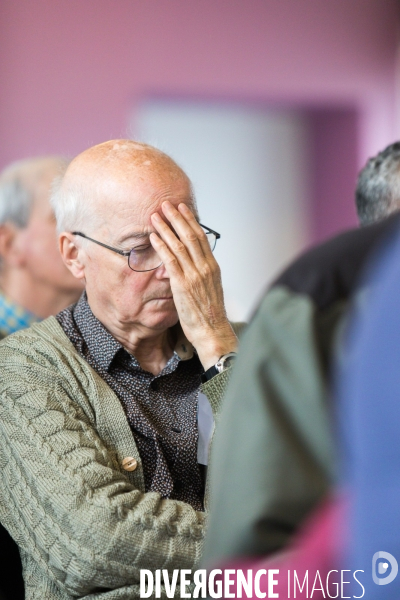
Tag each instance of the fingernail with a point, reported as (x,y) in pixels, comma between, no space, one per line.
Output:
(156,217)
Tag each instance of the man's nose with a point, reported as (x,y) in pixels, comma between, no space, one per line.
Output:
(161,272)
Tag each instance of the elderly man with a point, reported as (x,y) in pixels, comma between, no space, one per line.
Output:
(99,412)
(34,283)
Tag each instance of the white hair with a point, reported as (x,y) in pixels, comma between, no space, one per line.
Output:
(72,207)
(15,199)
(17,188)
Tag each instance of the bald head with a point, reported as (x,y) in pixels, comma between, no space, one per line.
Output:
(24,183)
(121,158)
(102,174)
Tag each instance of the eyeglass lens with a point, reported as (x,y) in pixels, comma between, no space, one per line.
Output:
(212,240)
(145,258)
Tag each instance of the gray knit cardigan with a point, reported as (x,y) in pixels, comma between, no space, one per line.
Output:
(85,527)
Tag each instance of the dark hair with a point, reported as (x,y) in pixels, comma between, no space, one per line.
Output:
(378,186)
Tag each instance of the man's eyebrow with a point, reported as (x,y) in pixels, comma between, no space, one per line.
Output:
(135,236)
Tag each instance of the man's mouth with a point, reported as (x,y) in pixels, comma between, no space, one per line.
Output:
(162,298)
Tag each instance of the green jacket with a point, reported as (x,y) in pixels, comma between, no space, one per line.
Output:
(84,525)
(274,454)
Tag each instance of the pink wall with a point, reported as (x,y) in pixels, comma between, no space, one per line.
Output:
(334,140)
(72,70)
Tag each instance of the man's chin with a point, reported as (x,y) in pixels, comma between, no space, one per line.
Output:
(164,319)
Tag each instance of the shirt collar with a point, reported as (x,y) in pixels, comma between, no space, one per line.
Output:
(101,344)
(183,348)
(97,336)
(14,317)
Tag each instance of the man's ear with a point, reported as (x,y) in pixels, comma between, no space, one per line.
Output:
(10,250)
(71,255)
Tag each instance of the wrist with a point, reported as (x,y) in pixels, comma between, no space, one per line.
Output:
(211,351)
(223,364)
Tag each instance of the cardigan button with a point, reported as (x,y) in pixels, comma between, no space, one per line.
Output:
(129,463)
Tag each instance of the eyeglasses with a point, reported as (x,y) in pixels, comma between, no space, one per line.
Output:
(144,258)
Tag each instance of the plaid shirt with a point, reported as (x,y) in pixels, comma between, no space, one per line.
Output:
(13,317)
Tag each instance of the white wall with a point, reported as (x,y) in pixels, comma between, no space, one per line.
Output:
(249,168)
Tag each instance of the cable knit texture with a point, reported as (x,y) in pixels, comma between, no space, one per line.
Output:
(84,526)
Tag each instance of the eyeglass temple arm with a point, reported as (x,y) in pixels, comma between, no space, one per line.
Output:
(122,252)
(217,235)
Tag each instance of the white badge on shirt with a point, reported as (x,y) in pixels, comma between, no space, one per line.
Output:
(205,423)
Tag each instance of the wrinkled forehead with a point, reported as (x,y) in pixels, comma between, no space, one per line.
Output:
(123,205)
(141,199)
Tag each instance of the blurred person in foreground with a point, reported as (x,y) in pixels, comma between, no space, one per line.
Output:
(369,405)
(34,283)
(378,186)
(274,454)
(100,412)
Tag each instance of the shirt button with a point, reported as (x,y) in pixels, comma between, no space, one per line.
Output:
(129,463)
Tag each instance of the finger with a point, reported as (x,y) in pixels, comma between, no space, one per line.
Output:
(197,228)
(168,258)
(188,261)
(189,231)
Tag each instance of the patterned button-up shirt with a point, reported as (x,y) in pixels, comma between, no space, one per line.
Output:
(161,409)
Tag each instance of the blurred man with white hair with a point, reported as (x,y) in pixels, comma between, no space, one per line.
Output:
(34,283)
(107,409)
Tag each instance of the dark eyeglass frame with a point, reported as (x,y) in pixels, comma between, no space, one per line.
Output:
(126,253)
